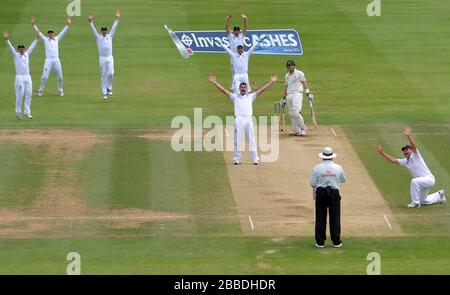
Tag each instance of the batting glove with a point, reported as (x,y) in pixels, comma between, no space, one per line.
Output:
(310,96)
(283,101)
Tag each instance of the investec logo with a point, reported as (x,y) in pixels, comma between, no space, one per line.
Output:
(277,41)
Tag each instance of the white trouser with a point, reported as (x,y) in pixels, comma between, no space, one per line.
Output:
(24,86)
(49,65)
(238,79)
(294,102)
(419,190)
(107,73)
(243,127)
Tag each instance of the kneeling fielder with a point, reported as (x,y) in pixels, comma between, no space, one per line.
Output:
(243,112)
(23,82)
(422,180)
(295,85)
(106,60)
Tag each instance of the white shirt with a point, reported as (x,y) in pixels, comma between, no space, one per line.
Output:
(416,165)
(240,62)
(243,104)
(104,44)
(326,174)
(51,45)
(235,41)
(294,81)
(22,62)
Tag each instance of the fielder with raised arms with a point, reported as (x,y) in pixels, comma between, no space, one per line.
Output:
(105,49)
(23,82)
(52,61)
(295,85)
(236,38)
(243,112)
(422,180)
(240,65)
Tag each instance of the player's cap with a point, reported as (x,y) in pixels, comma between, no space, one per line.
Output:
(236,28)
(21,46)
(406,147)
(50,31)
(240,46)
(104,29)
(290,63)
(327,153)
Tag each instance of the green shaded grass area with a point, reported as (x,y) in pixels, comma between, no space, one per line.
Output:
(225,256)
(21,174)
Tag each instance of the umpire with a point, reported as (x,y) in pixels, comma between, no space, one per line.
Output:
(325,180)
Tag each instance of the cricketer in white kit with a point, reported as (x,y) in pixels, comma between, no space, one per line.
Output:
(240,65)
(243,112)
(23,82)
(105,49)
(236,38)
(422,180)
(295,85)
(52,62)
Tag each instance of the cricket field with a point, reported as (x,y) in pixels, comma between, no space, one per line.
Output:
(101,178)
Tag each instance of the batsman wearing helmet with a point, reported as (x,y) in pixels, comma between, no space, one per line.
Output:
(295,86)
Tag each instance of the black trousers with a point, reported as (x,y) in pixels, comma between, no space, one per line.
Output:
(328,199)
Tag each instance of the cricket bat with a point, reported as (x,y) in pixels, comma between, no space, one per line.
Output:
(283,121)
(181,48)
(313,115)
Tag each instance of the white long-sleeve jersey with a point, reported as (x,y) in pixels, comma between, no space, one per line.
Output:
(104,44)
(240,62)
(22,62)
(51,45)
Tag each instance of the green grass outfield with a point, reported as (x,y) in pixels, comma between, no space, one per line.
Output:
(371,75)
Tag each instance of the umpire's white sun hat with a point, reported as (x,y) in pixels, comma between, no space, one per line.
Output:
(327,153)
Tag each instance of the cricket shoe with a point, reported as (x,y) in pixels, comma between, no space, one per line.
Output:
(18,116)
(320,246)
(338,245)
(28,116)
(301,133)
(40,92)
(109,92)
(443,199)
(61,93)
(256,163)
(237,163)
(105,97)
(413,205)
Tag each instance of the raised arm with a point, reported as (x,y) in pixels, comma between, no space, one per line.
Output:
(407,132)
(388,157)
(64,31)
(33,24)
(267,85)
(116,22)
(91,24)
(33,45)
(256,44)
(227,25)
(245,25)
(10,47)
(212,78)
(228,50)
